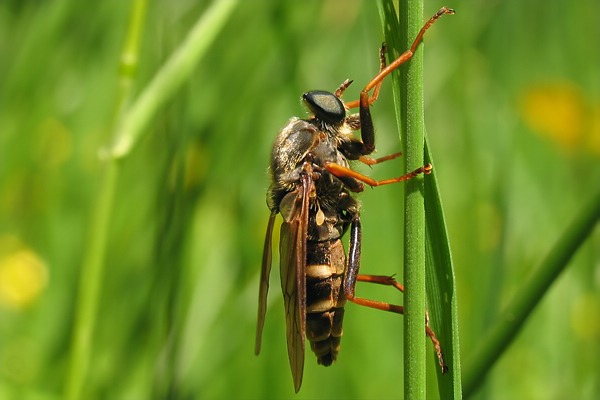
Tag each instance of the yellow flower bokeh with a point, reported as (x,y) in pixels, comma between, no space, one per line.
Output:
(23,274)
(559,112)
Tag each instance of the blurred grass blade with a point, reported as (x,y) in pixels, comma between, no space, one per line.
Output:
(131,122)
(514,316)
(441,287)
(88,297)
(171,76)
(92,270)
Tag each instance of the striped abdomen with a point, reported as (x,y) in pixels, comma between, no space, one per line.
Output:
(325,267)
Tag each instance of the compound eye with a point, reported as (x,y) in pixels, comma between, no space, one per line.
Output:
(326,106)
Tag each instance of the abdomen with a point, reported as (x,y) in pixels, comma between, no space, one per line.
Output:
(325,267)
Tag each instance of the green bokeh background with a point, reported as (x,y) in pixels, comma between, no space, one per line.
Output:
(513,117)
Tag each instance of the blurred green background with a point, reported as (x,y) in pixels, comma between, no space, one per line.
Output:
(513,117)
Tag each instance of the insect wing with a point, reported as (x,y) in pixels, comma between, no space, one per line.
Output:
(293,280)
(264,282)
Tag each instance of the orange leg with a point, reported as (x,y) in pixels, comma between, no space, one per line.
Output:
(352,276)
(367,131)
(380,305)
(375,83)
(373,161)
(381,280)
(382,65)
(407,55)
(338,93)
(341,172)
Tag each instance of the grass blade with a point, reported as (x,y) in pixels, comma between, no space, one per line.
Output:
(175,71)
(516,313)
(441,286)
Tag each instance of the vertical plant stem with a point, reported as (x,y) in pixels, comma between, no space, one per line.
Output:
(412,116)
(89,286)
(92,269)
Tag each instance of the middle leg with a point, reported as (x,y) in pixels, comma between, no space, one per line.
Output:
(342,172)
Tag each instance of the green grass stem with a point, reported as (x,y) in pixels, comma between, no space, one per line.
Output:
(429,260)
(412,134)
(171,76)
(88,298)
(412,114)
(90,282)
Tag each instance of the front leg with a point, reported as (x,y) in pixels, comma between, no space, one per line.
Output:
(367,131)
(364,122)
(364,103)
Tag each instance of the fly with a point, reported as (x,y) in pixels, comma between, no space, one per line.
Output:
(312,186)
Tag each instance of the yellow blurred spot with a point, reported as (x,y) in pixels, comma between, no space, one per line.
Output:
(555,111)
(23,275)
(585,317)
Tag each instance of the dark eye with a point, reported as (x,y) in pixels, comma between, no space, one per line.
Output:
(325,106)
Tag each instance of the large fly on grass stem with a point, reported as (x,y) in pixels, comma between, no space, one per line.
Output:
(312,186)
